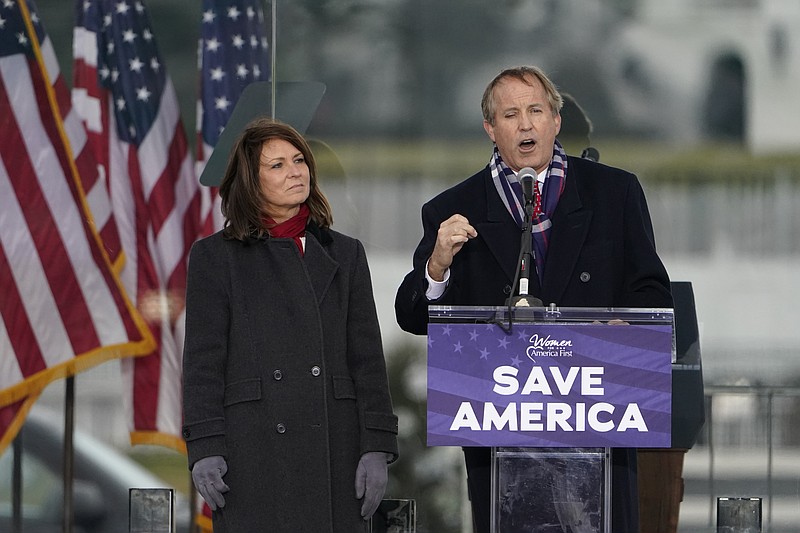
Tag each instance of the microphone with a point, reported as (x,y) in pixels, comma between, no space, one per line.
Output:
(591,154)
(527,176)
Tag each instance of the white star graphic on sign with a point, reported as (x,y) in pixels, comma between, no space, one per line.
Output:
(457,347)
(503,343)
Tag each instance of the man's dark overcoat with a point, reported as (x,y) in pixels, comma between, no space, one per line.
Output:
(601,254)
(284,376)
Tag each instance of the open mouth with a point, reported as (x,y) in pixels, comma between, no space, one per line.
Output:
(527,143)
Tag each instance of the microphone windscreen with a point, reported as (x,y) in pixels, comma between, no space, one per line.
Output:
(526,177)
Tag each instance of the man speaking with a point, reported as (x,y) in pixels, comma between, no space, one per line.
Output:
(592,245)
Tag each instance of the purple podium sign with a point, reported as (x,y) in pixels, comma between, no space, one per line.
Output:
(550,385)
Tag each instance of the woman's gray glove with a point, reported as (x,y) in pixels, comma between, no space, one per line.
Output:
(207,477)
(371,478)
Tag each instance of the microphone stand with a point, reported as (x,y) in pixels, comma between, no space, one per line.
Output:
(524,264)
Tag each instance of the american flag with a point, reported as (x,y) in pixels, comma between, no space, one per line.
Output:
(62,307)
(130,108)
(233,52)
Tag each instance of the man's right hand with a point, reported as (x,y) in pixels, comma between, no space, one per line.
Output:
(453,233)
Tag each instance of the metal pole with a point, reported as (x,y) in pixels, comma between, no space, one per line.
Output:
(193,505)
(16,492)
(770,398)
(711,484)
(69,426)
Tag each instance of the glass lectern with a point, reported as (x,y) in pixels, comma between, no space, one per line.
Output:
(550,391)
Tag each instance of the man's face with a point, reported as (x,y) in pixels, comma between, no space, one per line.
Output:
(524,126)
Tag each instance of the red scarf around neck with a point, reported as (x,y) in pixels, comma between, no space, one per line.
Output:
(294,228)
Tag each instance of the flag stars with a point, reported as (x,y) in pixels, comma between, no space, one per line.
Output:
(104,73)
(209,16)
(22,39)
(2,23)
(129,36)
(110,48)
(242,71)
(234,13)
(238,42)
(139,7)
(155,65)
(221,103)
(120,104)
(217,74)
(212,45)
(135,64)
(86,5)
(122,8)
(256,72)
(8,3)
(147,35)
(143,94)
(251,13)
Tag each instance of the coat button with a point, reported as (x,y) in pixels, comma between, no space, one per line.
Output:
(507,289)
(277,375)
(315,371)
(186,433)
(280,428)
(585,276)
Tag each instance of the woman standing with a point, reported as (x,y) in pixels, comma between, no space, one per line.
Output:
(287,415)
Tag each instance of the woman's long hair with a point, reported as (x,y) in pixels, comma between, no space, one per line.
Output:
(240,190)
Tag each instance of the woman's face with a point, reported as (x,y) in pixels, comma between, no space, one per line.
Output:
(284,177)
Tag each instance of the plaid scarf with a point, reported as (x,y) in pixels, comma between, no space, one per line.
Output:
(509,189)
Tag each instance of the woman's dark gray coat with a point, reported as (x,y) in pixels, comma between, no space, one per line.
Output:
(284,377)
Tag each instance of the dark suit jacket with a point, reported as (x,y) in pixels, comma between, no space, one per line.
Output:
(602,250)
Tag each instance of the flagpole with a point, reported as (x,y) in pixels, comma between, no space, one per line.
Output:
(274,55)
(69,427)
